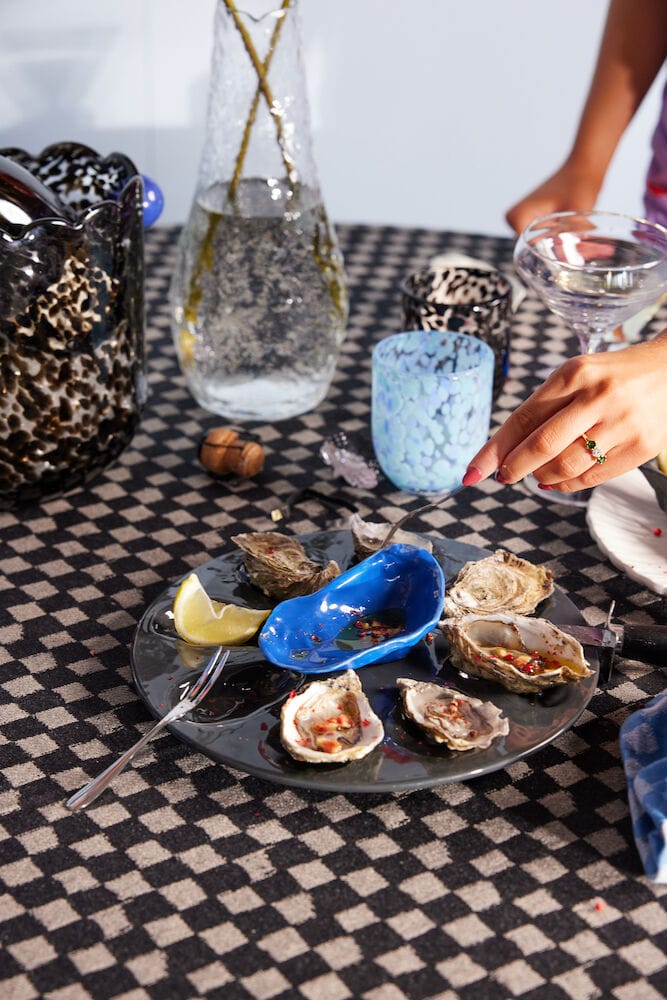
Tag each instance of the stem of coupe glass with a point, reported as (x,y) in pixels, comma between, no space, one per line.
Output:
(590,337)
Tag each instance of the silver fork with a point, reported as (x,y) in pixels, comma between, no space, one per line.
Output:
(190,697)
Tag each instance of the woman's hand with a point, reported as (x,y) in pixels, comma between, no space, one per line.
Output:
(616,399)
(570,188)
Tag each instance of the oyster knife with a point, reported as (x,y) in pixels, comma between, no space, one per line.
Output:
(647,643)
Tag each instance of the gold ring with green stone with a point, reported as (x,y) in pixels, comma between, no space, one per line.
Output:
(596,452)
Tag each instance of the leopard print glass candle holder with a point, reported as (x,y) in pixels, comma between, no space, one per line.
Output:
(72,376)
(466,300)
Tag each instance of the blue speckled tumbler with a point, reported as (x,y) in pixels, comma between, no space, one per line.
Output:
(431,407)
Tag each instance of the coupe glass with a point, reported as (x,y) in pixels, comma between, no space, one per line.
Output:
(595,270)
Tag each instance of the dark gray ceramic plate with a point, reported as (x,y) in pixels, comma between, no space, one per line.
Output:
(239,725)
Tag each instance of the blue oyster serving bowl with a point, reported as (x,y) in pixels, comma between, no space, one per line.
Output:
(374,612)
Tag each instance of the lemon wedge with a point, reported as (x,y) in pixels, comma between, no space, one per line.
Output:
(204,622)
(662,461)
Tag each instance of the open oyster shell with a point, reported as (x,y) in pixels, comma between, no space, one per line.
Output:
(523,654)
(500,582)
(279,566)
(448,716)
(330,722)
(369,536)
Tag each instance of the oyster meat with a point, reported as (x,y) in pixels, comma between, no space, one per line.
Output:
(523,654)
(279,566)
(369,536)
(330,722)
(451,717)
(500,582)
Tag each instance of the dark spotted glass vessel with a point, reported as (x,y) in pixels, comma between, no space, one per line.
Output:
(468,300)
(72,374)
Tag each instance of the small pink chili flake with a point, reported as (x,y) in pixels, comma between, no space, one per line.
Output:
(657,532)
(292,693)
(365,722)
(600,905)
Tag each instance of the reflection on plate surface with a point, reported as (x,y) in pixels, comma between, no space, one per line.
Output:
(625,520)
(245,705)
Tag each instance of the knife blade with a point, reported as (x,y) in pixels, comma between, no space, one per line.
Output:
(647,643)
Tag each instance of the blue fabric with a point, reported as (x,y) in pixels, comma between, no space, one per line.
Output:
(644,751)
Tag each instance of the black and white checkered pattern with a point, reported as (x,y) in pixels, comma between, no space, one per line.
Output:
(193,880)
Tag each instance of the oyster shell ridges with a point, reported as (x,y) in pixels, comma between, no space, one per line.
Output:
(279,566)
(451,717)
(330,722)
(523,654)
(369,536)
(497,583)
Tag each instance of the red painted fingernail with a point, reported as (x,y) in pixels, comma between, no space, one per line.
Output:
(472,476)
(545,486)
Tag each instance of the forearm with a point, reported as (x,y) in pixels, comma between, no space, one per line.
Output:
(632,50)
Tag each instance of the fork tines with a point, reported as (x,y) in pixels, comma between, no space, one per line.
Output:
(208,677)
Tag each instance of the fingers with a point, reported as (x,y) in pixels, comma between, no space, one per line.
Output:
(596,473)
(580,463)
(583,460)
(538,430)
(555,452)
(576,466)
(605,461)
(617,399)
(575,460)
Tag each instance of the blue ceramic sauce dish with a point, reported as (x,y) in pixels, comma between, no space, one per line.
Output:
(374,612)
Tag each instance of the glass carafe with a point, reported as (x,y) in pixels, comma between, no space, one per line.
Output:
(258,296)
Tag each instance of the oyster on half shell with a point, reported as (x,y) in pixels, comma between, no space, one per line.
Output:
(523,654)
(279,566)
(451,717)
(369,536)
(330,722)
(500,582)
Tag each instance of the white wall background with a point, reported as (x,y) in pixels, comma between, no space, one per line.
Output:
(435,113)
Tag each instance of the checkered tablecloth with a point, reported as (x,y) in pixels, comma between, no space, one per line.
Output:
(193,880)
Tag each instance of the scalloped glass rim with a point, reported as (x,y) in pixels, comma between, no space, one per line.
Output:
(114,205)
(502,295)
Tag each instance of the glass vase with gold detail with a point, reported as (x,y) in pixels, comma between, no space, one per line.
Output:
(258,296)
